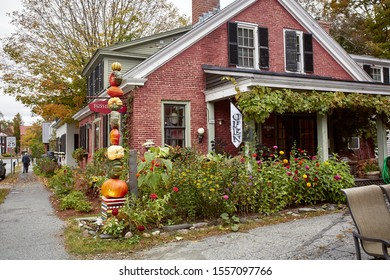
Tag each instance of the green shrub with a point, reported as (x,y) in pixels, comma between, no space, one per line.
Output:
(45,167)
(75,200)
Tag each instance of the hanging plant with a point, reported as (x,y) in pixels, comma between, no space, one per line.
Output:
(260,102)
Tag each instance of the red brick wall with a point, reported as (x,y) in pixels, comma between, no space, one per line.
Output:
(182,78)
(202,6)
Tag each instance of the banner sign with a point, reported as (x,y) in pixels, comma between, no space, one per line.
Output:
(235,125)
(102,107)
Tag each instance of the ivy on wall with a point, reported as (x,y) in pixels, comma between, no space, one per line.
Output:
(260,102)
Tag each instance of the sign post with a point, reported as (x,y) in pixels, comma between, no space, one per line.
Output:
(11,143)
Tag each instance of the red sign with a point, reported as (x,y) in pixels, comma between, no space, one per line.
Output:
(102,107)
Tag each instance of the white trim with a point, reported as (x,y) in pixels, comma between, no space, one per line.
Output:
(304,83)
(187,40)
(199,31)
(325,40)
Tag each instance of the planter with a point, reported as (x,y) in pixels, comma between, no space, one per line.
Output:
(373,175)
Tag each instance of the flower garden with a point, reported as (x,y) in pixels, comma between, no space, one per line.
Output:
(178,185)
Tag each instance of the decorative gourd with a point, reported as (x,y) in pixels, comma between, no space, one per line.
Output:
(114,103)
(116,168)
(114,136)
(114,188)
(114,91)
(115,152)
(114,120)
(115,78)
(116,66)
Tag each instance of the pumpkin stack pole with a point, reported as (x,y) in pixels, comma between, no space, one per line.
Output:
(114,189)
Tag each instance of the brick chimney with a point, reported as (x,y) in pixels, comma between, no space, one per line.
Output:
(199,7)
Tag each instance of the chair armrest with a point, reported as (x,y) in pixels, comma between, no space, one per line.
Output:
(385,243)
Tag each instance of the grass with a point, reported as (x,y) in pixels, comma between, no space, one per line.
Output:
(3,194)
(88,247)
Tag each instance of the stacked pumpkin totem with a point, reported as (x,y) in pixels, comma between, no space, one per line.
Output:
(114,189)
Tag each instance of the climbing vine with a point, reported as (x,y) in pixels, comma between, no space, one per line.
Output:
(260,102)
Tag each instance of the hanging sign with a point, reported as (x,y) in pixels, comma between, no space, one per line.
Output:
(102,107)
(235,125)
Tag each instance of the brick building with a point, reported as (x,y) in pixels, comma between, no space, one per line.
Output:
(174,87)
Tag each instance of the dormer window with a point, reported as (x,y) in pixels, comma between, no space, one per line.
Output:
(378,73)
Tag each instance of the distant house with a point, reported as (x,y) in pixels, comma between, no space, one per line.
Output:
(174,88)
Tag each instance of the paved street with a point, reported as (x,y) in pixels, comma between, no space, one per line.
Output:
(29,228)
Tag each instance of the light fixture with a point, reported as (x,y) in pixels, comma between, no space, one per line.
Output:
(220,121)
(200,134)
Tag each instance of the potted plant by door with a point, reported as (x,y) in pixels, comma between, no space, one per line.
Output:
(371,170)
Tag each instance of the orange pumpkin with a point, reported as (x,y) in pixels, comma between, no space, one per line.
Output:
(114,137)
(114,188)
(114,91)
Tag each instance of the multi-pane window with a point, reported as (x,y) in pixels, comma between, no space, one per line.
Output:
(376,74)
(246,47)
(95,80)
(175,125)
(298,51)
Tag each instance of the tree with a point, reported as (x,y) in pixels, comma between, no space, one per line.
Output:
(359,26)
(33,140)
(17,122)
(54,40)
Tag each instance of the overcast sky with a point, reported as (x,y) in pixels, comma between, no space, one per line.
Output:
(9,107)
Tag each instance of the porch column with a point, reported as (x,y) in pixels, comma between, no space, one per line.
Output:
(322,136)
(210,124)
(382,141)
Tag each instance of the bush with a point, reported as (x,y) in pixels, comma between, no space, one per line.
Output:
(45,167)
(75,200)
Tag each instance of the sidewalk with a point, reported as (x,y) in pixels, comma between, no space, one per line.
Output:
(29,228)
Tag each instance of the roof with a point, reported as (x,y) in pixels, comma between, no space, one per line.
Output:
(217,89)
(202,29)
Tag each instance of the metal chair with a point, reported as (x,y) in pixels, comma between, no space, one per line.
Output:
(371,216)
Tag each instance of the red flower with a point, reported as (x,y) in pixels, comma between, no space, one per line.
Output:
(115,211)
(153,196)
(141,228)
(254,155)
(175,189)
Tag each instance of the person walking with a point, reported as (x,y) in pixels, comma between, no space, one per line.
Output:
(26,162)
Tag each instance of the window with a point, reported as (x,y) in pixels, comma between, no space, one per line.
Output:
(248,45)
(96,134)
(95,80)
(176,124)
(377,73)
(298,51)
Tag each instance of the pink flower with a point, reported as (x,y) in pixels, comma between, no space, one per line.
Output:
(275,147)
(289,173)
(337,177)
(307,167)
(225,197)
(153,196)
(175,189)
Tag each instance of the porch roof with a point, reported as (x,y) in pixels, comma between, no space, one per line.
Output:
(218,89)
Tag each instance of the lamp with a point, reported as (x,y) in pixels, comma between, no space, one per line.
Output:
(200,134)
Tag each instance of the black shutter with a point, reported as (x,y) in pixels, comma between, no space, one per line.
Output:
(367,68)
(263,48)
(386,75)
(83,140)
(233,43)
(291,51)
(63,143)
(308,53)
